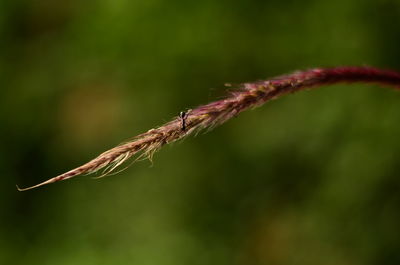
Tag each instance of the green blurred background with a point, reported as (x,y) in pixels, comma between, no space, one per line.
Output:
(312,178)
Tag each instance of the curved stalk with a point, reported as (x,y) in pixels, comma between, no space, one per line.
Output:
(247,95)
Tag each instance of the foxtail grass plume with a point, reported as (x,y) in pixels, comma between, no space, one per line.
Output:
(247,95)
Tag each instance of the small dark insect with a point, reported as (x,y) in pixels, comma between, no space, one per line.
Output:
(182,116)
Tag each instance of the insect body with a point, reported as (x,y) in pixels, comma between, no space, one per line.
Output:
(182,116)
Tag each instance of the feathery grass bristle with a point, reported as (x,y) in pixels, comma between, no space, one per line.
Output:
(247,95)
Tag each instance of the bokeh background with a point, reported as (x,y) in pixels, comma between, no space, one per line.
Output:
(311,178)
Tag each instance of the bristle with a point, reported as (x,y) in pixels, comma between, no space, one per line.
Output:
(208,116)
